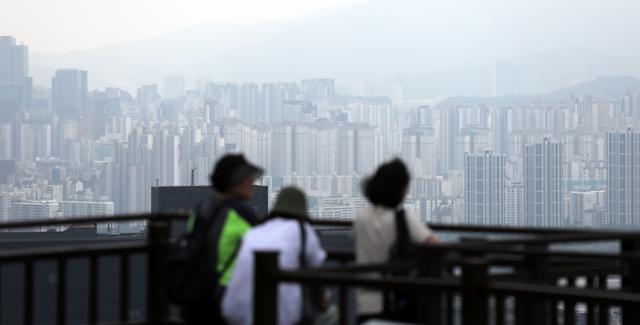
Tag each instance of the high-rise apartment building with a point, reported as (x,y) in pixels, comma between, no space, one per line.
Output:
(15,84)
(472,139)
(514,204)
(69,92)
(250,109)
(14,61)
(623,178)
(449,129)
(484,179)
(544,184)
(585,208)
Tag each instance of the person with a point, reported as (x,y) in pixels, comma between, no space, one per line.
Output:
(232,180)
(280,232)
(374,228)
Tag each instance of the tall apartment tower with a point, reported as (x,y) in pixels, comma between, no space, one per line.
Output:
(484,180)
(449,129)
(623,178)
(544,184)
(15,84)
(14,61)
(69,91)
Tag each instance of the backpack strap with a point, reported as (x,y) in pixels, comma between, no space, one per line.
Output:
(303,245)
(211,211)
(208,213)
(403,241)
(230,259)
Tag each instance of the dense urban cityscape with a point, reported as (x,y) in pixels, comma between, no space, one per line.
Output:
(569,159)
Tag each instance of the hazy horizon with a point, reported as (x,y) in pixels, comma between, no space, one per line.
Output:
(432,48)
(114,22)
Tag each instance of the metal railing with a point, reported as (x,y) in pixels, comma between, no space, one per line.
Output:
(502,281)
(448,272)
(153,247)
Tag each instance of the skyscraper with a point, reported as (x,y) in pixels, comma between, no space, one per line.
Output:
(249,104)
(514,204)
(623,178)
(500,130)
(484,180)
(544,184)
(472,139)
(449,128)
(14,61)
(69,92)
(15,84)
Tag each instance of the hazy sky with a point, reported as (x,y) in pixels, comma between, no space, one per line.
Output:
(63,25)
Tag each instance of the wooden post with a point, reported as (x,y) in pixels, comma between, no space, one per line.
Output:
(265,308)
(631,280)
(430,264)
(157,302)
(475,305)
(530,310)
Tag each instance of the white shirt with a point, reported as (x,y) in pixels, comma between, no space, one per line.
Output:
(278,234)
(375,232)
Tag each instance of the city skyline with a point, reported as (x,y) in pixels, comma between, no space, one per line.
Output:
(69,148)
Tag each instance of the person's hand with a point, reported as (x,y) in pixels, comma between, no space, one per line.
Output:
(433,239)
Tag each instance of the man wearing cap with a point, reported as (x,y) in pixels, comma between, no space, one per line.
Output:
(232,180)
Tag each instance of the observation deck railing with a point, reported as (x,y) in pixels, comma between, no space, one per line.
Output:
(520,280)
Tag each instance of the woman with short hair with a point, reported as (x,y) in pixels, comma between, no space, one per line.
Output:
(375,227)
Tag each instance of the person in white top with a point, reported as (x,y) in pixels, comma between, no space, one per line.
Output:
(280,232)
(374,228)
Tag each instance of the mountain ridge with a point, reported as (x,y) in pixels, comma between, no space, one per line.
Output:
(607,86)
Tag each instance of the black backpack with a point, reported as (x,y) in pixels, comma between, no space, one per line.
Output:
(191,261)
(401,306)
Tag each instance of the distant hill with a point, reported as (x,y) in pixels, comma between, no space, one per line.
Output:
(604,86)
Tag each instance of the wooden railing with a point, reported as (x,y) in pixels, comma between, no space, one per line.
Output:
(454,281)
(503,281)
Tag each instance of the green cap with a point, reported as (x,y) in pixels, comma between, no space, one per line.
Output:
(292,202)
